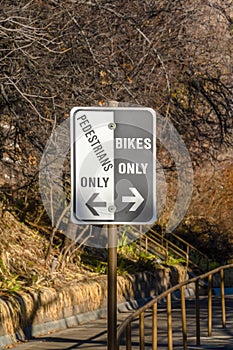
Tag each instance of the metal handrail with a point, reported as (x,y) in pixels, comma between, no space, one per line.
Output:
(189,248)
(158,249)
(168,246)
(165,245)
(126,325)
(187,244)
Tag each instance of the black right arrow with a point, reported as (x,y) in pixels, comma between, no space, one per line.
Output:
(91,204)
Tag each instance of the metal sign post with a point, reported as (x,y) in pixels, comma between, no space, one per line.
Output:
(112,287)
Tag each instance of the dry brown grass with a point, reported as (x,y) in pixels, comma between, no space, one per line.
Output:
(22,259)
(213,194)
(29,292)
(209,220)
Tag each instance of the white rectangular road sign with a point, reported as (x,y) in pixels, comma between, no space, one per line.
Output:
(112,165)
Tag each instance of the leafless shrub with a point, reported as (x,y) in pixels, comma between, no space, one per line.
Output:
(174,56)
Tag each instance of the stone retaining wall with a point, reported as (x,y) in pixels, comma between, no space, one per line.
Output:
(26,314)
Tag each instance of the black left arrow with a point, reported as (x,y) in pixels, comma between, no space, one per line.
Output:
(91,204)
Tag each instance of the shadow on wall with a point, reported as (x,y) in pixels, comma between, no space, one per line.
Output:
(148,284)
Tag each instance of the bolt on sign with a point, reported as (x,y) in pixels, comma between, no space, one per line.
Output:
(113,165)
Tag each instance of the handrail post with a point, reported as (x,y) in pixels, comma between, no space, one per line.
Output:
(146,245)
(163,233)
(166,257)
(140,238)
(187,259)
(128,337)
(167,252)
(154,327)
(141,326)
(169,321)
(197,305)
(223,298)
(183,315)
(210,305)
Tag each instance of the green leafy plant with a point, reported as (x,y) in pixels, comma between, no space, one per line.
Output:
(175,261)
(11,284)
(101,267)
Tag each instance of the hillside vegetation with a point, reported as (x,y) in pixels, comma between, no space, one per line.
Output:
(22,260)
(173,56)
